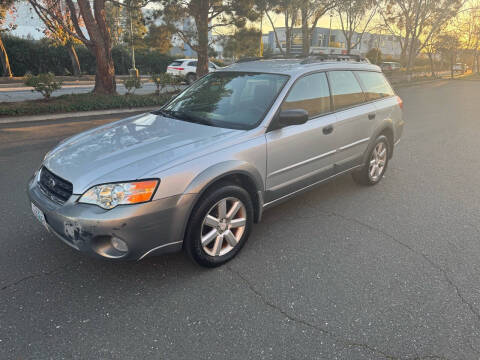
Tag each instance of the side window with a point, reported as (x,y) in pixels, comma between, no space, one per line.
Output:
(211,66)
(346,90)
(375,85)
(310,93)
(192,63)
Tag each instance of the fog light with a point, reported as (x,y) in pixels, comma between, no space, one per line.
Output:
(119,245)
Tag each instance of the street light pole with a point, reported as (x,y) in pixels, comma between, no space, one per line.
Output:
(330,30)
(134,70)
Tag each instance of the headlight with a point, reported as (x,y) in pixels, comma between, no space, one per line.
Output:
(108,196)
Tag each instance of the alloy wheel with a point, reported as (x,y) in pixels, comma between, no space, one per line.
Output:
(378,160)
(223,226)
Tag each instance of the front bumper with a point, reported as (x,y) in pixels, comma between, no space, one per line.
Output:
(150,228)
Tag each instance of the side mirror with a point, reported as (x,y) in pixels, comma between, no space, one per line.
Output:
(292,117)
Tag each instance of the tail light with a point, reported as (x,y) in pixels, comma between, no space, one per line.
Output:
(400,102)
(175,68)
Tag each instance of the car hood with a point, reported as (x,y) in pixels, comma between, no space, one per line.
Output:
(130,148)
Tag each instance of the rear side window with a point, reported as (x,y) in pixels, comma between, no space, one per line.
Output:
(176,63)
(192,63)
(310,93)
(375,85)
(346,90)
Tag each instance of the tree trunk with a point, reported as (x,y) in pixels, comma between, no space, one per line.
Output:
(105,71)
(201,21)
(305,32)
(432,64)
(74,58)
(7,71)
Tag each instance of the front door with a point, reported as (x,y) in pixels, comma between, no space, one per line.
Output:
(300,155)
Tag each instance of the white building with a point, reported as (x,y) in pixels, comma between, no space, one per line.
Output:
(389,45)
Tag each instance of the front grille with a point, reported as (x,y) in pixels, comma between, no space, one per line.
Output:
(56,188)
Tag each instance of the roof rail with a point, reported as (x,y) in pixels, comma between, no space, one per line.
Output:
(334,57)
(247,59)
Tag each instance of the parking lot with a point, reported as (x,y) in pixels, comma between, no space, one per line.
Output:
(340,272)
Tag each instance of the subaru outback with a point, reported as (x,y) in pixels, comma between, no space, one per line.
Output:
(197,173)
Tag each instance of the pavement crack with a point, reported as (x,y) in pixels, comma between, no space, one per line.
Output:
(293,318)
(447,278)
(33,276)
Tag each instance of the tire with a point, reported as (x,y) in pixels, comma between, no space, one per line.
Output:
(208,240)
(377,160)
(191,78)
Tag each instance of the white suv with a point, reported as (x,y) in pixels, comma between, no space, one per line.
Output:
(187,68)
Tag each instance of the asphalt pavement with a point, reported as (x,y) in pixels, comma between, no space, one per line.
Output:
(340,272)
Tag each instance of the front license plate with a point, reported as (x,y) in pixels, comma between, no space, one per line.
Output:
(39,215)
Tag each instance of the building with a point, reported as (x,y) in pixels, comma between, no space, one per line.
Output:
(389,45)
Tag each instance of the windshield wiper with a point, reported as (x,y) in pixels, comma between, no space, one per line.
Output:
(192,118)
(167,113)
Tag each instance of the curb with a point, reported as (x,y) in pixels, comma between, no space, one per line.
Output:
(62,116)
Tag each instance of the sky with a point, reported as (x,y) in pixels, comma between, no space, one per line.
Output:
(28,23)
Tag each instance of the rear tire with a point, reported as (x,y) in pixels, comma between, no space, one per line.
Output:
(191,78)
(219,226)
(375,166)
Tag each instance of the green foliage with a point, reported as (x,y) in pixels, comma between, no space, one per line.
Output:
(161,81)
(81,102)
(245,42)
(131,84)
(45,84)
(374,56)
(41,56)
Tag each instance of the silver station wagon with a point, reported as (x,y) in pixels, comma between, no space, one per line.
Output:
(196,174)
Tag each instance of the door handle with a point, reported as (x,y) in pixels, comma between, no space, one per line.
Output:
(371,116)
(328,129)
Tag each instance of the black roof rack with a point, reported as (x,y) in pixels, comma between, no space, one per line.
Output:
(334,57)
(247,59)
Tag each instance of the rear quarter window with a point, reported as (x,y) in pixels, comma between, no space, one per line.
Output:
(375,85)
(346,91)
(176,63)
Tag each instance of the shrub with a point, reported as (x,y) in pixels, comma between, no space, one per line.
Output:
(161,81)
(81,102)
(374,56)
(132,83)
(45,84)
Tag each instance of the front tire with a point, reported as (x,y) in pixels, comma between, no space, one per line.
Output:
(376,164)
(219,226)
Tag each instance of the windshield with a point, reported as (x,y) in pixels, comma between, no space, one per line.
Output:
(227,99)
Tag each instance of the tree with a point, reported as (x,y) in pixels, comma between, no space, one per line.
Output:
(311,11)
(159,37)
(414,22)
(208,16)
(374,55)
(289,10)
(97,39)
(6,7)
(448,45)
(243,43)
(133,22)
(54,29)
(355,17)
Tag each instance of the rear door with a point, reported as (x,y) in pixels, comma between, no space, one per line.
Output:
(355,117)
(300,155)
(378,90)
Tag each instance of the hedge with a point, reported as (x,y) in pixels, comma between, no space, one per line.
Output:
(80,102)
(42,56)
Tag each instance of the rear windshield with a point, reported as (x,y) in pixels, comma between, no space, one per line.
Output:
(375,85)
(236,100)
(176,63)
